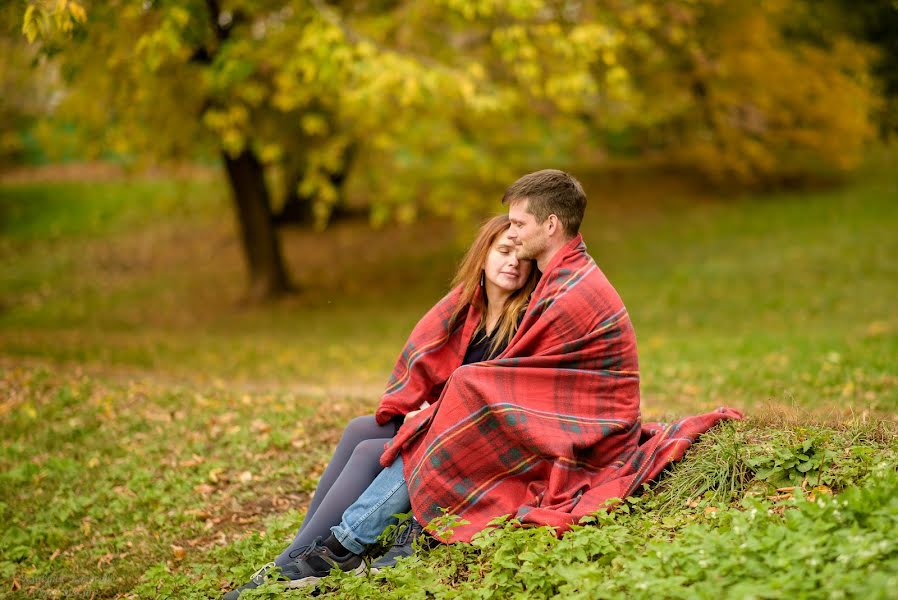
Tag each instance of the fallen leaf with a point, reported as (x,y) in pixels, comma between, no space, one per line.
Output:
(106,559)
(876,328)
(204,489)
(779,497)
(178,552)
(192,461)
(260,426)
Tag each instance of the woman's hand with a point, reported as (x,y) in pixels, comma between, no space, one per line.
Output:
(411,414)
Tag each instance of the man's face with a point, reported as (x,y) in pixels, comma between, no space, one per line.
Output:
(530,237)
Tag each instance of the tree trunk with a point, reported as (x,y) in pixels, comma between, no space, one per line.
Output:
(261,244)
(297,209)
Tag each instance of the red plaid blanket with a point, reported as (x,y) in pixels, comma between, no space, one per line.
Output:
(546,432)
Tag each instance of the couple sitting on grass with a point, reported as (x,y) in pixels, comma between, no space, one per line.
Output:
(517,394)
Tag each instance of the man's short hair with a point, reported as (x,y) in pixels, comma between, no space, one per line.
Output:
(550,192)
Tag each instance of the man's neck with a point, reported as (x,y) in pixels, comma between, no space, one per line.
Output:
(543,261)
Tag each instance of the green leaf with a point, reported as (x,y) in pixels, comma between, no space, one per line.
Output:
(763,474)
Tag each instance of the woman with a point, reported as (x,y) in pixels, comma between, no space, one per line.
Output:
(490,281)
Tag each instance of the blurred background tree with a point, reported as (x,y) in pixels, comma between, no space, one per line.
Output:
(768,105)
(436,106)
(875,22)
(26,97)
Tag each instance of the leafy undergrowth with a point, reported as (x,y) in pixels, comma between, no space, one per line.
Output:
(813,545)
(147,491)
(832,534)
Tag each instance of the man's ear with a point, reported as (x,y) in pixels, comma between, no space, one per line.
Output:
(552,224)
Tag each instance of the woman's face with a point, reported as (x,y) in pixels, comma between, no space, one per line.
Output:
(503,269)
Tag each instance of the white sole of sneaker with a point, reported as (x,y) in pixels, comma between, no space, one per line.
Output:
(307,581)
(298,583)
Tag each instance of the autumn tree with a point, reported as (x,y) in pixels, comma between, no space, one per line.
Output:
(410,91)
(413,101)
(874,22)
(733,89)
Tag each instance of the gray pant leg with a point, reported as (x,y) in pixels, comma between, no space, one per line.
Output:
(359,471)
(358,430)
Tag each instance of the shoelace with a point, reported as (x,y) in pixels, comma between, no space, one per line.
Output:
(405,534)
(303,551)
(259,576)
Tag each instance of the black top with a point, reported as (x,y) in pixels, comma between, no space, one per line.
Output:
(479,348)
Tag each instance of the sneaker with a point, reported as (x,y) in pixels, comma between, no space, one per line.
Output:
(403,545)
(255,581)
(259,576)
(317,563)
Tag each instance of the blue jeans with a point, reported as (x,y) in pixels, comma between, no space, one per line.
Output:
(367,517)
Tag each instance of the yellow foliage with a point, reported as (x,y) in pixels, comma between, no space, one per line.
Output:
(313,124)
(270,153)
(29,23)
(423,94)
(77,11)
(776,108)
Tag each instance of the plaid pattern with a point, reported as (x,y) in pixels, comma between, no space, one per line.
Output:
(549,430)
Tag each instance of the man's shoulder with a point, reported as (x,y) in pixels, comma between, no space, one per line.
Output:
(590,285)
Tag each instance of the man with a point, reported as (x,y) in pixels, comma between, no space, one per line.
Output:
(549,430)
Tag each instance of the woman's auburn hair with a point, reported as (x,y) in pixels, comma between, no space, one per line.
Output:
(469,274)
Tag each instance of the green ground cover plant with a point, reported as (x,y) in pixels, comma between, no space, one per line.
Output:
(161,439)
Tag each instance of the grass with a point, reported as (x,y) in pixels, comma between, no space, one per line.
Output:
(42,212)
(161,439)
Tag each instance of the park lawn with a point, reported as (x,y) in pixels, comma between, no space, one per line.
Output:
(161,439)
